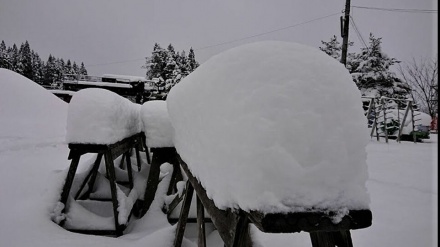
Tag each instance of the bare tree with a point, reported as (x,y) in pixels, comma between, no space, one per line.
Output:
(422,76)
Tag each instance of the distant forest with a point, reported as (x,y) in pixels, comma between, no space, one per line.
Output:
(28,63)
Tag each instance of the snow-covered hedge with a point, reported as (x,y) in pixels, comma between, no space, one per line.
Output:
(275,127)
(99,116)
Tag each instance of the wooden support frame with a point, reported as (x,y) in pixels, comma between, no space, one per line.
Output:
(233,226)
(109,152)
(160,156)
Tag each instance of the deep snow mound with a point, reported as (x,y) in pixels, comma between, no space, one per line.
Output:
(22,99)
(273,126)
(99,116)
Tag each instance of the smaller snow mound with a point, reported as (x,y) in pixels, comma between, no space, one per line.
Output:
(99,116)
(157,125)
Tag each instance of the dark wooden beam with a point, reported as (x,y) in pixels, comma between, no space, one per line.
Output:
(309,221)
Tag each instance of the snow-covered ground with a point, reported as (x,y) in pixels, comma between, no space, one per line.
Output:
(33,164)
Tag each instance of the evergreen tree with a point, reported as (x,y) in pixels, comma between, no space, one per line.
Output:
(4,56)
(372,73)
(193,64)
(49,71)
(82,69)
(37,68)
(14,57)
(75,68)
(167,67)
(24,65)
(68,67)
(332,48)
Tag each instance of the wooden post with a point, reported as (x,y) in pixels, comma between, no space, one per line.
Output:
(345,33)
(180,230)
(90,179)
(242,236)
(129,169)
(201,224)
(112,181)
(70,176)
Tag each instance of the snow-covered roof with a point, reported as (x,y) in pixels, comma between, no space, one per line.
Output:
(100,84)
(275,127)
(127,78)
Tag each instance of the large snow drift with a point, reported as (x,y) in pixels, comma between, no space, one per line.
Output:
(22,99)
(99,116)
(273,126)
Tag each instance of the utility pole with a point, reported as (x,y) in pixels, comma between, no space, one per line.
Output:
(345,33)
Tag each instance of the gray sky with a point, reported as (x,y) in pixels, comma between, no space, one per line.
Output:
(115,36)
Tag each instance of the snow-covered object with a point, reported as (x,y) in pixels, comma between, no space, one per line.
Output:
(22,99)
(99,116)
(420,119)
(273,126)
(156,123)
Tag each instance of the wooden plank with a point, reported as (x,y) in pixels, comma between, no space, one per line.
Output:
(309,221)
(117,148)
(242,237)
(201,240)
(70,176)
(112,181)
(129,169)
(331,239)
(138,156)
(160,156)
(181,225)
(90,176)
(224,220)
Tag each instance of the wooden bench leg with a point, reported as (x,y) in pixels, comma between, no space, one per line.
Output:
(138,157)
(70,176)
(242,236)
(111,176)
(90,179)
(180,230)
(152,183)
(129,169)
(201,242)
(331,239)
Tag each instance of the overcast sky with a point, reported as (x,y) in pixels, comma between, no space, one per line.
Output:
(115,36)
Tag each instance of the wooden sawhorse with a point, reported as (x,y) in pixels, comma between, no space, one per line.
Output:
(233,226)
(109,152)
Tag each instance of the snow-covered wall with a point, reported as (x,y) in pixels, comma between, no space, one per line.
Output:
(99,116)
(273,126)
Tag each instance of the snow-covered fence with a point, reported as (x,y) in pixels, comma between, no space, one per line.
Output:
(259,144)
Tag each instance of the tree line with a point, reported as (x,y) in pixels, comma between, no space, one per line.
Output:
(28,63)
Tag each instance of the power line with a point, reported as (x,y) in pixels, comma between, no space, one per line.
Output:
(358,33)
(272,31)
(116,62)
(418,11)
(228,42)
